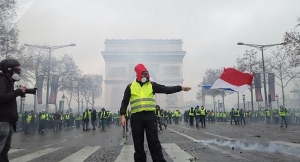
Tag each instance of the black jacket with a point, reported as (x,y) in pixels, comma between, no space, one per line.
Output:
(8,103)
(93,115)
(157,88)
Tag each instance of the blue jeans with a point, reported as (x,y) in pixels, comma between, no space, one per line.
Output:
(6,132)
(283,119)
(103,123)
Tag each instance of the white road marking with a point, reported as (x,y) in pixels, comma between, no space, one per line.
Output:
(62,141)
(230,139)
(227,138)
(123,141)
(48,145)
(126,154)
(34,155)
(175,152)
(81,155)
(211,146)
(14,150)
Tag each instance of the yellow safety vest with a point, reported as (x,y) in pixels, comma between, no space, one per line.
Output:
(202,111)
(142,97)
(67,116)
(282,112)
(43,116)
(28,118)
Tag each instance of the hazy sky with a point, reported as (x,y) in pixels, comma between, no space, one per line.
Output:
(210,29)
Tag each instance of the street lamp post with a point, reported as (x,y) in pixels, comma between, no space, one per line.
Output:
(262,48)
(244,101)
(248,106)
(218,105)
(277,101)
(49,49)
(63,103)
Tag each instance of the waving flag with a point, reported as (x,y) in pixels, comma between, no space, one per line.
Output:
(233,79)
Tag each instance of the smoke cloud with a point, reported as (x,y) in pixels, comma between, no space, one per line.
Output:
(270,148)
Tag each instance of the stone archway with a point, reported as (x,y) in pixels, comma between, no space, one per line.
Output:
(162,58)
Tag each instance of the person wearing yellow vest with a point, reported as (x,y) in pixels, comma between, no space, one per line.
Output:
(85,120)
(268,116)
(42,125)
(191,116)
(197,116)
(202,116)
(282,113)
(28,117)
(140,93)
(159,117)
(237,116)
(103,115)
(67,118)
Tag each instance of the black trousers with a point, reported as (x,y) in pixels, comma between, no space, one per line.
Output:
(233,117)
(202,120)
(191,120)
(140,122)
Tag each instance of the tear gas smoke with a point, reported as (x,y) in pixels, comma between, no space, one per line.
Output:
(270,148)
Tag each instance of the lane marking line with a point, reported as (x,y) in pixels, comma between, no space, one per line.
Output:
(230,139)
(211,146)
(227,138)
(175,152)
(127,154)
(81,155)
(34,155)
(14,150)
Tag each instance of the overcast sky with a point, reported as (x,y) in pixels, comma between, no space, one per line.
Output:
(210,29)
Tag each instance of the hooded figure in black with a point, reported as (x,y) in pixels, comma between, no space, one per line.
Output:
(8,105)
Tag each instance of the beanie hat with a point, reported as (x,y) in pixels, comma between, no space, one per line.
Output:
(139,68)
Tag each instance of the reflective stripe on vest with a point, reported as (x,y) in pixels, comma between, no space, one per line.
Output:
(191,112)
(67,116)
(142,98)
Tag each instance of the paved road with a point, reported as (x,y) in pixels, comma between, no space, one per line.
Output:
(217,142)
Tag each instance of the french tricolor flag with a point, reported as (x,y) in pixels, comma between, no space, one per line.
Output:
(233,79)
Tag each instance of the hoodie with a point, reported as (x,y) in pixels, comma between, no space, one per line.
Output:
(8,103)
(139,70)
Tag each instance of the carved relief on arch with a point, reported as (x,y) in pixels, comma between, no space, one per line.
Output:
(116,71)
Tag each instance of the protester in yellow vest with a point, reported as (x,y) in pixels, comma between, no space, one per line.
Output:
(140,93)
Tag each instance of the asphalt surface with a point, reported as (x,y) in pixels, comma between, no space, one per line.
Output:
(217,142)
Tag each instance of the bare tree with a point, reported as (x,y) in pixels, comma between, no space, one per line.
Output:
(211,75)
(293,38)
(9,33)
(284,68)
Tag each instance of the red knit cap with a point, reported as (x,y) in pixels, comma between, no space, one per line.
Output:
(139,68)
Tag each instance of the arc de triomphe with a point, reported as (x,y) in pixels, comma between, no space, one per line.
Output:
(162,58)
